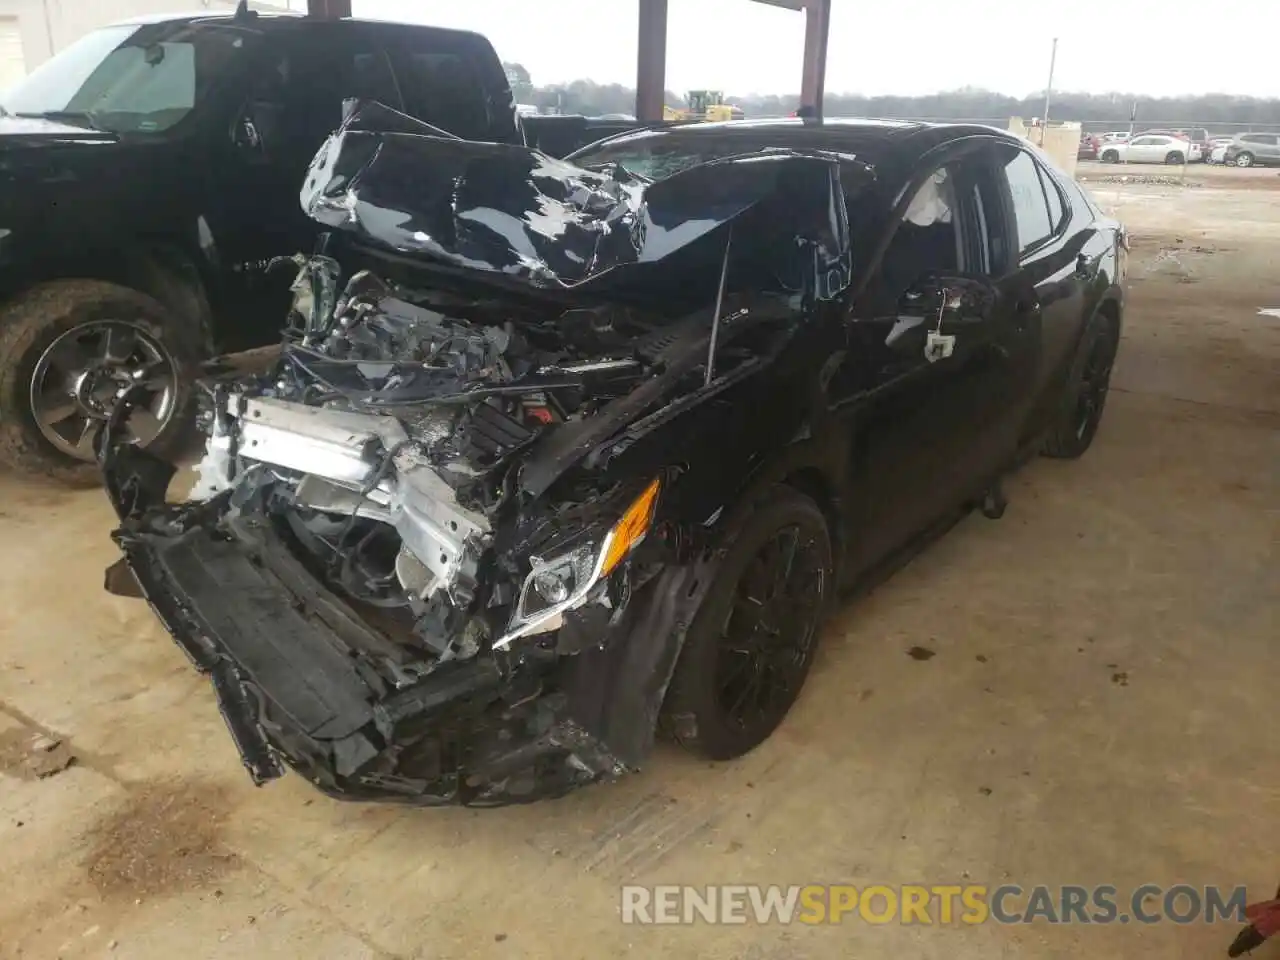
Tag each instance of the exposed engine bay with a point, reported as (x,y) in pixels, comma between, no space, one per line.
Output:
(389,441)
(440,553)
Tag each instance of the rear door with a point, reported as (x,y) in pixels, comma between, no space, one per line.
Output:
(294,103)
(1058,255)
(452,80)
(1142,149)
(929,417)
(1163,146)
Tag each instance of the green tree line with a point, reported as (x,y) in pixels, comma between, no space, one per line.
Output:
(967,103)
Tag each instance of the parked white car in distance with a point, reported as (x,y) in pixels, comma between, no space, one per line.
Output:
(1151,148)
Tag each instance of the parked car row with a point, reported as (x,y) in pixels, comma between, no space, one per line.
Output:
(1185,145)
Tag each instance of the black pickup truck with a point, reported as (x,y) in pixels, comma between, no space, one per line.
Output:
(149,173)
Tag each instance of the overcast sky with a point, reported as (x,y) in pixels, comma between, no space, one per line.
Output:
(1160,47)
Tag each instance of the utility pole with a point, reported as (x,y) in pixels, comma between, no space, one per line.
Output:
(1048,91)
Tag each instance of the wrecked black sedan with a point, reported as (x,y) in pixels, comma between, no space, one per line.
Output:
(560,453)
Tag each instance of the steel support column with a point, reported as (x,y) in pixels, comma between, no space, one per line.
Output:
(651,59)
(328,9)
(817,25)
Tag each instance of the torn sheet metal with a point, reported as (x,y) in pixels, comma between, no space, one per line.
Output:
(510,210)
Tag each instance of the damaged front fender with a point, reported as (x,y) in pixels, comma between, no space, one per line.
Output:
(301,683)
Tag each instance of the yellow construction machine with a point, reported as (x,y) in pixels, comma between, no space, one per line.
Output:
(703,105)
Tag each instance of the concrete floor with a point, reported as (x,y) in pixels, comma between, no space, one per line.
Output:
(1100,709)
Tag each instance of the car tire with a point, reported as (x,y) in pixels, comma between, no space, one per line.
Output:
(1110,156)
(1173,156)
(1085,397)
(46,332)
(744,653)
(1244,159)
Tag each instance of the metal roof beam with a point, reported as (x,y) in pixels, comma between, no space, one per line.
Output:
(813,78)
(651,59)
(651,53)
(328,9)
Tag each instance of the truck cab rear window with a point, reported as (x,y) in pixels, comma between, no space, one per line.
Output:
(444,90)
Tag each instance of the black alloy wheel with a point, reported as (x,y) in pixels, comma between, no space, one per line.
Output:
(1086,396)
(1095,382)
(767,640)
(753,640)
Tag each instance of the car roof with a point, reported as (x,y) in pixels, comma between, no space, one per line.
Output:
(280,20)
(205,15)
(855,134)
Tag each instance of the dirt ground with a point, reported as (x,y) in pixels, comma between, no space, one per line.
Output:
(1100,708)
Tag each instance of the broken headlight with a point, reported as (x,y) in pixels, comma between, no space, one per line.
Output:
(568,580)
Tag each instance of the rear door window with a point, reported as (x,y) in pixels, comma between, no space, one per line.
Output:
(443,84)
(1031,209)
(1054,198)
(311,75)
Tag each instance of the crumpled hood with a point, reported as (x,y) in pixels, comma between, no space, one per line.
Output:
(522,216)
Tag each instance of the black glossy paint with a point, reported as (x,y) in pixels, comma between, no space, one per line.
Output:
(526,217)
(849,405)
(192,213)
(828,389)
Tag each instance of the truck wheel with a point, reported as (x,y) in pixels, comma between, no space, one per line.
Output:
(67,349)
(1244,159)
(751,643)
(1086,392)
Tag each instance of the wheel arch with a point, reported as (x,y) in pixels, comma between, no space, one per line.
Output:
(1111,309)
(160,268)
(812,467)
(815,483)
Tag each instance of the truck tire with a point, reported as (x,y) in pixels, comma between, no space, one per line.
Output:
(67,349)
(747,656)
(1086,392)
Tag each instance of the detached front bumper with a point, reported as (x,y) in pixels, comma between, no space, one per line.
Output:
(300,682)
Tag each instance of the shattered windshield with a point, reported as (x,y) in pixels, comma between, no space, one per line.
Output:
(653,159)
(659,157)
(129,78)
